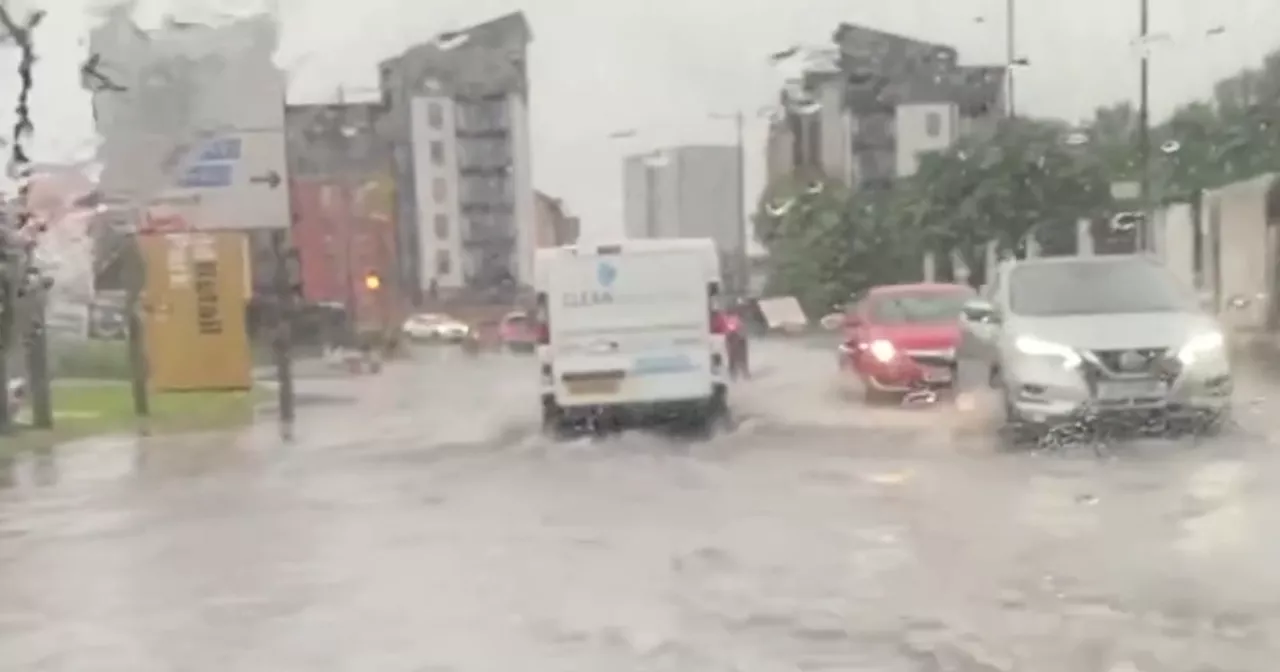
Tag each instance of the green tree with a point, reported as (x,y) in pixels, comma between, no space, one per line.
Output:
(1029,176)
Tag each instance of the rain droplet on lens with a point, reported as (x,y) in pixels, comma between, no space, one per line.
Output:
(1076,138)
(807,107)
(779,208)
(1170,146)
(451,40)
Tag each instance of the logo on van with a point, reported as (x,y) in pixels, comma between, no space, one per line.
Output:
(606,273)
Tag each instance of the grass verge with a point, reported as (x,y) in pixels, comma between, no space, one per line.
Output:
(88,409)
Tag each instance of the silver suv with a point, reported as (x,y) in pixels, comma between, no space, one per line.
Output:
(1101,336)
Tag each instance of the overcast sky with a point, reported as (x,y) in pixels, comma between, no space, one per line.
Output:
(661,66)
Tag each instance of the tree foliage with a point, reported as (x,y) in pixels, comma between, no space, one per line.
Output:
(1023,178)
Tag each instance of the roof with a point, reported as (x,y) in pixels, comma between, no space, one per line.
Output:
(847,32)
(917,287)
(887,69)
(509,31)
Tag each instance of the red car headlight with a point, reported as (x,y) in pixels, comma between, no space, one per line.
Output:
(882,350)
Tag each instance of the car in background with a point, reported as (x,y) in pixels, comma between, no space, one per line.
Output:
(1111,336)
(426,327)
(517,332)
(16,396)
(903,338)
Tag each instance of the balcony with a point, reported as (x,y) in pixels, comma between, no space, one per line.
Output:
(492,133)
(471,208)
(498,239)
(484,170)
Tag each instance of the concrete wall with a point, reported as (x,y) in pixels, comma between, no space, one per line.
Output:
(522,169)
(1173,233)
(1244,262)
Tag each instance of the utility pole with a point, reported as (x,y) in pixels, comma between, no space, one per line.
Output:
(346,181)
(1010,49)
(281,332)
(135,272)
(7,301)
(1143,232)
(741,262)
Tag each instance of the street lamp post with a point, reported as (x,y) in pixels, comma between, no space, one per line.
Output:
(740,263)
(1010,47)
(1144,127)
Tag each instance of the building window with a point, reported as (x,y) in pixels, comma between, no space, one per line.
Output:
(437,152)
(442,227)
(439,189)
(933,124)
(444,264)
(435,115)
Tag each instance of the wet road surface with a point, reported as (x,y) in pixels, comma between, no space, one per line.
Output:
(421,524)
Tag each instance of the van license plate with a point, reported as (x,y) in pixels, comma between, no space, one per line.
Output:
(1131,389)
(594,386)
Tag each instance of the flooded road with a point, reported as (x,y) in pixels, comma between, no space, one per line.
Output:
(420,523)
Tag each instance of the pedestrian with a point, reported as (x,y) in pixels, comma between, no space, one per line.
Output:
(736,344)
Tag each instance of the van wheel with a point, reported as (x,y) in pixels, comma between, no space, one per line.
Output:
(713,415)
(553,420)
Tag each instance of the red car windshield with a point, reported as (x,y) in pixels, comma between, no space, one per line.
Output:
(917,306)
(516,326)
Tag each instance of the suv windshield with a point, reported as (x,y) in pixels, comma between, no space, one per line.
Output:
(917,306)
(1065,288)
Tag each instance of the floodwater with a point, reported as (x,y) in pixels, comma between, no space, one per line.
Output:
(420,523)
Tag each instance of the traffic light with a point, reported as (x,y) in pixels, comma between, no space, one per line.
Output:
(372,281)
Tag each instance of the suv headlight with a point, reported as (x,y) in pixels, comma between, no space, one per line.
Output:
(1030,345)
(1203,346)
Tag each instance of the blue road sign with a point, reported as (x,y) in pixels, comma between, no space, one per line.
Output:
(214,165)
(222,149)
(208,176)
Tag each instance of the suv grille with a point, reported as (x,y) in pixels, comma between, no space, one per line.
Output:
(1148,361)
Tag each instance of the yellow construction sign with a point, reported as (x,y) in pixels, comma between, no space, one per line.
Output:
(194,304)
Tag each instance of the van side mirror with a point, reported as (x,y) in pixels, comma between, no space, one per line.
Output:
(980,311)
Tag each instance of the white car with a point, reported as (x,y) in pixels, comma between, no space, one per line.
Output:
(1111,336)
(434,327)
(629,332)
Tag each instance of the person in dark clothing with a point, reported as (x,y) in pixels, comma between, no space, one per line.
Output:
(736,345)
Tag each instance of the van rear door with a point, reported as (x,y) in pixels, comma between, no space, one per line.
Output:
(630,328)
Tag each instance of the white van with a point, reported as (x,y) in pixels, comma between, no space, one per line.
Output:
(630,330)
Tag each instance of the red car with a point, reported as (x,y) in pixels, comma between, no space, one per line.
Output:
(900,338)
(517,333)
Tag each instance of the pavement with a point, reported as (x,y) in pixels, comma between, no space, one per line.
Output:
(424,524)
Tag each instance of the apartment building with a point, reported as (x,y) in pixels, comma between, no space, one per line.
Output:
(892,99)
(463,163)
(687,192)
(343,225)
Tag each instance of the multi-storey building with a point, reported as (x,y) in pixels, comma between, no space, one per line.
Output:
(691,191)
(343,225)
(891,99)
(460,123)
(684,192)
